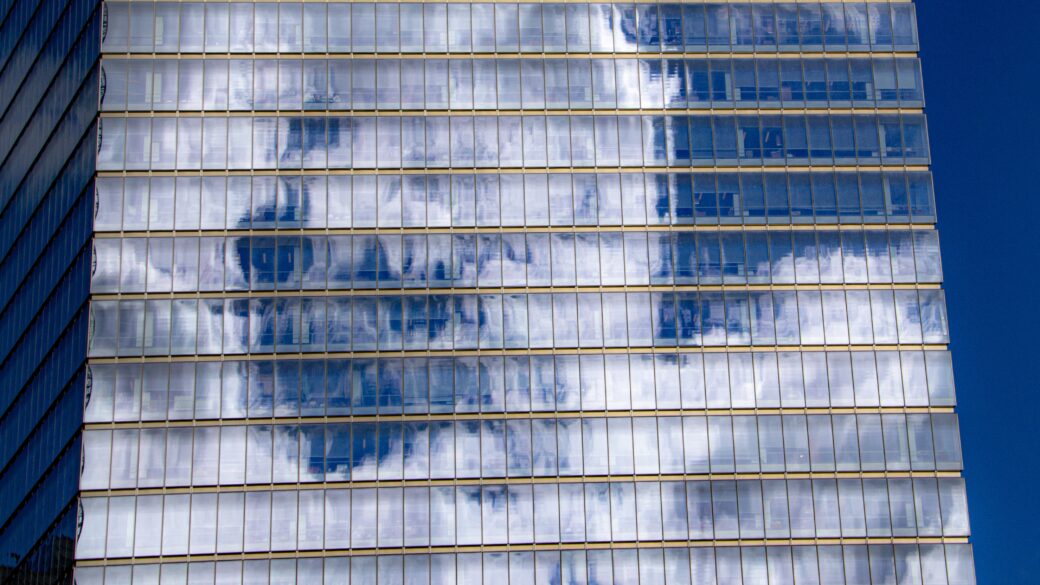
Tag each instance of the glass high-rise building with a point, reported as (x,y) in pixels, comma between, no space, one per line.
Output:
(366,293)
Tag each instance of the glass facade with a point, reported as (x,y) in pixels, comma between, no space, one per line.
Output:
(365,293)
(49,92)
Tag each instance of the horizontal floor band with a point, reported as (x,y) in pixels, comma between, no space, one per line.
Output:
(507,352)
(708,169)
(518,415)
(516,481)
(719,54)
(313,293)
(527,547)
(716,227)
(397,113)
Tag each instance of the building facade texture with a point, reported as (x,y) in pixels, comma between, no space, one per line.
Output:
(422,293)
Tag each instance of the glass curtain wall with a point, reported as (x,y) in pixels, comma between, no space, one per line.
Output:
(49,99)
(424,293)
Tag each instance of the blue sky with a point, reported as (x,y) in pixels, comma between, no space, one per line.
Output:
(980,75)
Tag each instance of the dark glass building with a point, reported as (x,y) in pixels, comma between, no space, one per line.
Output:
(427,293)
(49,90)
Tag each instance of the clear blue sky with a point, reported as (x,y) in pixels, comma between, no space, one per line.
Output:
(981,69)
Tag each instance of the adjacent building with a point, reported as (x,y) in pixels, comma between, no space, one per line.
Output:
(49,91)
(426,293)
